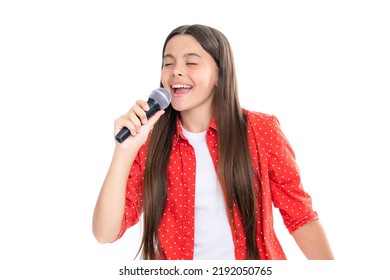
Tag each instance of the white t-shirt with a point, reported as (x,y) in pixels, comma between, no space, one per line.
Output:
(213,236)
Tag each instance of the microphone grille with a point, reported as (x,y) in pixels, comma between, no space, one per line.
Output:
(162,97)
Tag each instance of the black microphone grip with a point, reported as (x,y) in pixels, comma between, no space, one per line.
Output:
(124,133)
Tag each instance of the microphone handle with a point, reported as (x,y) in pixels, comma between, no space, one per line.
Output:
(124,133)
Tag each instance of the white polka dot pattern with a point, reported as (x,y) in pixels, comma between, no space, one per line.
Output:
(277,182)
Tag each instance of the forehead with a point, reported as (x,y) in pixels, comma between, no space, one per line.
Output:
(180,45)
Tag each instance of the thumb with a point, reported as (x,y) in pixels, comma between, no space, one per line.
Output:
(153,119)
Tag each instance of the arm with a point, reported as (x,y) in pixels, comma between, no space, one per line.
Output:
(294,203)
(110,205)
(312,241)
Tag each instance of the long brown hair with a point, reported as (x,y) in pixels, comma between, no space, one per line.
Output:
(235,170)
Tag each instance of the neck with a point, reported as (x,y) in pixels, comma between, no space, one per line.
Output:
(195,121)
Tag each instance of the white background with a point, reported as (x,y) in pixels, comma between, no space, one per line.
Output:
(68,69)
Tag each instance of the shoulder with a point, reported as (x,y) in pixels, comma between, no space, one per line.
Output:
(265,130)
(261,120)
(264,127)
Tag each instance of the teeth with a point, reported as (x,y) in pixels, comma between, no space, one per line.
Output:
(181,86)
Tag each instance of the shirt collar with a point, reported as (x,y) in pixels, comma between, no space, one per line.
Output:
(179,131)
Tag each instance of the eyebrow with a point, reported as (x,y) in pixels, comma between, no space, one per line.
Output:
(185,55)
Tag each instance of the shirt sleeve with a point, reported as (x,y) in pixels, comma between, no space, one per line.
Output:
(288,194)
(133,204)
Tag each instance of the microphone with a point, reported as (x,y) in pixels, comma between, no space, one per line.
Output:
(159,99)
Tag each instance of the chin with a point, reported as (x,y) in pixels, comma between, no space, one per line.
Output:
(178,107)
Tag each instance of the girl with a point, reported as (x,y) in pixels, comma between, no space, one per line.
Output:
(204,173)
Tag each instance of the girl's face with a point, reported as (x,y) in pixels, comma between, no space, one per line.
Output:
(190,74)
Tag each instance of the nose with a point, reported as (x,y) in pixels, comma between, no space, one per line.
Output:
(177,72)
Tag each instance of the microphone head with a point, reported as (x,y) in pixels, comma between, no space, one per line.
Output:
(162,97)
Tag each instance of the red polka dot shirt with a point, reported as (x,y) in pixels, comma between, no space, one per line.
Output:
(274,164)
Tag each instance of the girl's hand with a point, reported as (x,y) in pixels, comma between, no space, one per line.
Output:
(137,123)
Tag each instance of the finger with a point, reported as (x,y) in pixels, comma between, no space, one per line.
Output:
(152,120)
(124,121)
(135,119)
(139,110)
(143,104)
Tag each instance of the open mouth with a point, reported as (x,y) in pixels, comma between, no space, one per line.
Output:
(180,88)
